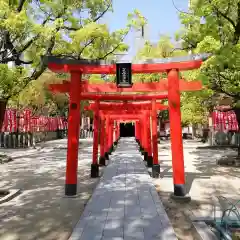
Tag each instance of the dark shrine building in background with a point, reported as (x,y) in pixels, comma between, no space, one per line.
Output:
(127,129)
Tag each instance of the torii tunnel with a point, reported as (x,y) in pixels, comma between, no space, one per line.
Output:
(140,108)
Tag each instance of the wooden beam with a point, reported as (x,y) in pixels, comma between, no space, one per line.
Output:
(121,97)
(136,68)
(161,86)
(117,107)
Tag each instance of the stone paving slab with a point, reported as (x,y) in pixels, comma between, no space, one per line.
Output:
(125,204)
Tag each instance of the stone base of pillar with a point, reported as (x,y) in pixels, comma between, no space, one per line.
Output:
(145,154)
(156,171)
(70,189)
(180,194)
(106,156)
(150,161)
(102,161)
(94,170)
(111,149)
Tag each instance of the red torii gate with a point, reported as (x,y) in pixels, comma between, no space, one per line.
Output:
(123,110)
(77,67)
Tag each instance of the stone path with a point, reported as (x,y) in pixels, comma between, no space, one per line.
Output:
(125,204)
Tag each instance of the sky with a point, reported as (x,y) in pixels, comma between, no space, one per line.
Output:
(161,15)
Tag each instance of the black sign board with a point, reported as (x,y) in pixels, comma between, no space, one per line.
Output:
(124,75)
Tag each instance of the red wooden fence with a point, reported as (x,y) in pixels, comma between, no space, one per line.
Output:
(225,121)
(25,122)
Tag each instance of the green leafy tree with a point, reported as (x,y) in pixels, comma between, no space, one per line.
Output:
(162,49)
(192,107)
(214,27)
(30,29)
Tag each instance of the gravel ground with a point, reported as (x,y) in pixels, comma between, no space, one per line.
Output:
(41,211)
(205,182)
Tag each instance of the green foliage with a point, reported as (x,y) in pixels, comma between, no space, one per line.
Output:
(219,35)
(11,80)
(194,105)
(163,49)
(63,28)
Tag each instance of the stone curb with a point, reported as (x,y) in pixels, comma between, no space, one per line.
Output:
(12,194)
(204,231)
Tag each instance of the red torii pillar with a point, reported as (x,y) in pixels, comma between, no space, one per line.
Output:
(149,141)
(106,137)
(102,161)
(94,165)
(137,131)
(147,152)
(156,166)
(110,137)
(176,136)
(73,134)
(141,135)
(145,136)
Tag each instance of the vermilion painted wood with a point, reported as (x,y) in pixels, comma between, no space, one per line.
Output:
(96,123)
(107,133)
(145,132)
(110,139)
(73,135)
(175,128)
(161,86)
(154,133)
(122,97)
(136,68)
(129,117)
(149,138)
(125,106)
(102,138)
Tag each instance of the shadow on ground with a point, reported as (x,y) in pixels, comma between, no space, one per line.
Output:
(41,211)
(205,182)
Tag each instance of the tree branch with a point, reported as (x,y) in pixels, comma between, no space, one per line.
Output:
(114,49)
(86,45)
(222,14)
(102,13)
(237,28)
(20,5)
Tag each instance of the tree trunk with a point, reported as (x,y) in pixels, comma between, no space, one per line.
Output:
(3,104)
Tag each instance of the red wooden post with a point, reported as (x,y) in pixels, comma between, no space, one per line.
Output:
(140,133)
(176,134)
(73,135)
(115,133)
(156,166)
(106,137)
(118,131)
(110,137)
(136,131)
(145,136)
(149,141)
(95,166)
(102,161)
